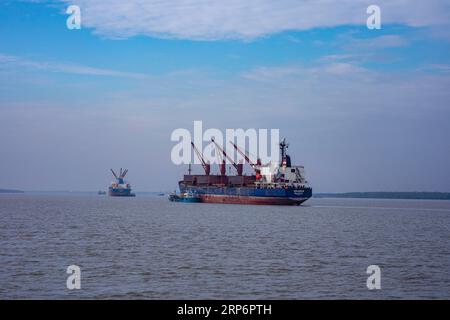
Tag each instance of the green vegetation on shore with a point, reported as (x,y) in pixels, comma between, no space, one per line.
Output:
(387,195)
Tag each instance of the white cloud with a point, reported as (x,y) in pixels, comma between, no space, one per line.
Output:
(343,68)
(385,41)
(14,61)
(245,20)
(328,66)
(441,68)
(264,73)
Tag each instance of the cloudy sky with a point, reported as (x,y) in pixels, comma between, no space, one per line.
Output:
(364,110)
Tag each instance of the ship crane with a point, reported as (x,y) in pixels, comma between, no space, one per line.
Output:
(121,176)
(114,174)
(222,164)
(206,166)
(271,184)
(120,188)
(239,167)
(255,166)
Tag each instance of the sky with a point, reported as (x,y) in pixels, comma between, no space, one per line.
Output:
(363,110)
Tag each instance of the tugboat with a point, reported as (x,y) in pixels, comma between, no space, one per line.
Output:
(184,197)
(120,188)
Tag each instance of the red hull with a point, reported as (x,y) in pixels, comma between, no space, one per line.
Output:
(252,200)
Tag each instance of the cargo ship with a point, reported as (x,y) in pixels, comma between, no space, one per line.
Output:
(269,184)
(119,187)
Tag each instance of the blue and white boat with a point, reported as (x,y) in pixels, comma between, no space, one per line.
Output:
(185,197)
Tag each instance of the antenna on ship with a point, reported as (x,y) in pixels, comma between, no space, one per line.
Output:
(285,159)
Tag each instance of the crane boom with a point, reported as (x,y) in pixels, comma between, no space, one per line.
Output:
(243,154)
(255,166)
(225,154)
(205,165)
(114,174)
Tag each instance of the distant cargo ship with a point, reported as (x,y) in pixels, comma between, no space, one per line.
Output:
(271,184)
(120,188)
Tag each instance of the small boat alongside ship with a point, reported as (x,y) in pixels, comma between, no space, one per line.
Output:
(184,197)
(269,184)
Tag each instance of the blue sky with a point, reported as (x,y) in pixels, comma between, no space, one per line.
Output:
(363,109)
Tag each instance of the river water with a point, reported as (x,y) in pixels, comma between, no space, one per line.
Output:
(149,248)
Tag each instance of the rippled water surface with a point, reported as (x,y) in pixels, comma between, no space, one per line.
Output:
(149,248)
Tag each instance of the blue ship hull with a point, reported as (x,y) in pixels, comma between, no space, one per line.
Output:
(249,195)
(120,192)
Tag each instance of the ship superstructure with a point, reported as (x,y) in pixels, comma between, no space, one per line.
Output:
(272,183)
(119,187)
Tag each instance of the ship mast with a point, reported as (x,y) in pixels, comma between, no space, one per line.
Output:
(285,158)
